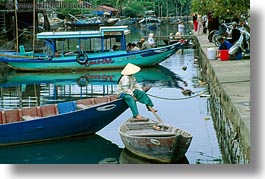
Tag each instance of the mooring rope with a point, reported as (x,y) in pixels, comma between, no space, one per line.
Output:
(199,93)
(189,97)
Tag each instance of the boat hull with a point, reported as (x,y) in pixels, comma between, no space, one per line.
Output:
(167,146)
(67,124)
(107,60)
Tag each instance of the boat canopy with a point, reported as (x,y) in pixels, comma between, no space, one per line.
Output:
(103,31)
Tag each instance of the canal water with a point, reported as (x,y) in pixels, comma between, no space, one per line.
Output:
(190,113)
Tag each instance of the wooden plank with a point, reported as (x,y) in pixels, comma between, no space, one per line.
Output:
(150,132)
(27,118)
(82,106)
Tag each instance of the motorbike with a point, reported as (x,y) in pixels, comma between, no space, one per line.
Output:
(242,44)
(224,31)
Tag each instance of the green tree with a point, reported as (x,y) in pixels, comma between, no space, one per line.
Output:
(222,8)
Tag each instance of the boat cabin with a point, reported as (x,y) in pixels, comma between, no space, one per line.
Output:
(81,42)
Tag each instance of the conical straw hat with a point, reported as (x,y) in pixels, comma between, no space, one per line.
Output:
(130,69)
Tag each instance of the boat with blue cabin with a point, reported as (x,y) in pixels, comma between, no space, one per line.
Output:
(86,50)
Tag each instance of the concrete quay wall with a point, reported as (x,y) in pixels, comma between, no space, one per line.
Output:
(229,87)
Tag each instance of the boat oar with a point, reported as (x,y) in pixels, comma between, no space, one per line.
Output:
(156,115)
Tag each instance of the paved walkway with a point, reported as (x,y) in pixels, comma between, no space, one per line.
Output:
(234,77)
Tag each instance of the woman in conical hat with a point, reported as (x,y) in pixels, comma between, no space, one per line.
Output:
(130,90)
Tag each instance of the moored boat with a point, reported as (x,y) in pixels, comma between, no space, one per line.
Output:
(150,21)
(155,140)
(61,120)
(82,50)
(84,22)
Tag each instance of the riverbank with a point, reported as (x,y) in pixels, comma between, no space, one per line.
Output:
(229,86)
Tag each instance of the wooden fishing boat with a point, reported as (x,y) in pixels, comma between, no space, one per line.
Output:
(84,22)
(155,140)
(85,50)
(61,120)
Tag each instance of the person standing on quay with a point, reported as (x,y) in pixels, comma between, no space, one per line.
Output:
(181,27)
(130,90)
(195,22)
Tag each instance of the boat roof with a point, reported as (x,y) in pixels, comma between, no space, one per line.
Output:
(103,31)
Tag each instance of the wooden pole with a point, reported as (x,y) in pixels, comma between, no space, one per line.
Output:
(34,25)
(156,115)
(16,25)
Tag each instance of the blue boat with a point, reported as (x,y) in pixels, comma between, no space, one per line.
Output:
(86,50)
(61,120)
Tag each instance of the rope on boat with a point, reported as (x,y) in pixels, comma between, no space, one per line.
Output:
(16,38)
(199,93)
(189,97)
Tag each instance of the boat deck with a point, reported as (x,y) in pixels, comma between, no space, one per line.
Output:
(146,128)
(150,133)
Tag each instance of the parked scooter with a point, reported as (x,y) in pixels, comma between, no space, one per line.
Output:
(224,31)
(242,44)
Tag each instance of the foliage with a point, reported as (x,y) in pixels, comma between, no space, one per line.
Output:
(137,8)
(222,8)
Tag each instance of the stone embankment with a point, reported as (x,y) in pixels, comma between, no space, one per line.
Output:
(229,86)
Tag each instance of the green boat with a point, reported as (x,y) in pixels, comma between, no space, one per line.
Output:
(85,50)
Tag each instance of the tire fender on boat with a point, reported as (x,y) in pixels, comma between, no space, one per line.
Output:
(82,58)
(82,81)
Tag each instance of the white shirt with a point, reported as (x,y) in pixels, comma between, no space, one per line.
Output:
(128,84)
(151,41)
(181,28)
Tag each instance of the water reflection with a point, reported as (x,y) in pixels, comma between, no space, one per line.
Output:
(31,89)
(157,75)
(126,157)
(92,149)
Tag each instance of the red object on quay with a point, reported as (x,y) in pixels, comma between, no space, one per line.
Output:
(224,55)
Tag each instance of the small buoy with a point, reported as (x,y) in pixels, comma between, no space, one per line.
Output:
(184,68)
